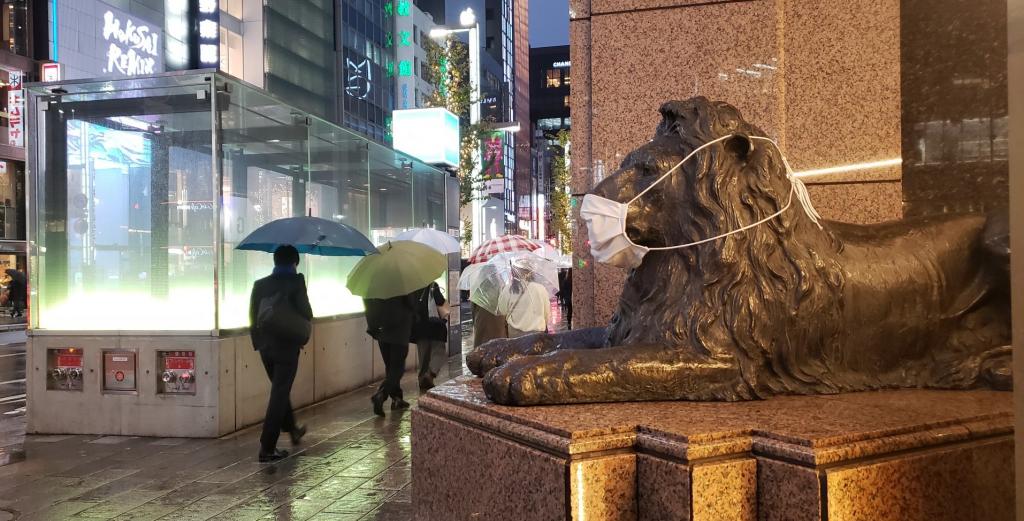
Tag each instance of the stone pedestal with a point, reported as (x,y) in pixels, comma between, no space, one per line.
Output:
(895,455)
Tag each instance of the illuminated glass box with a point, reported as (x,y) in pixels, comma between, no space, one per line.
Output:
(139,190)
(431,134)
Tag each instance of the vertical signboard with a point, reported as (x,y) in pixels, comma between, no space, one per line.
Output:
(204,39)
(493,167)
(15,109)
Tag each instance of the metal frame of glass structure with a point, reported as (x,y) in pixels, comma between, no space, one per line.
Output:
(139,189)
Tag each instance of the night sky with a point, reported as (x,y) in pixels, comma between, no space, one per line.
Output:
(549,23)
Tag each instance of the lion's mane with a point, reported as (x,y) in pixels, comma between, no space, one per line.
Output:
(719,298)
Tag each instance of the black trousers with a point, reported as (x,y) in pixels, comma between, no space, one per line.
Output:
(281,365)
(394,366)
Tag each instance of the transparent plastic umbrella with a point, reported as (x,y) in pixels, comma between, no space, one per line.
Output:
(504,270)
(436,239)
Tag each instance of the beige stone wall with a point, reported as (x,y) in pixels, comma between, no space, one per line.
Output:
(820,76)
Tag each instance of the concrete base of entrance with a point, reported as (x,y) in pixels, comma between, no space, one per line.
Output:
(895,455)
(231,387)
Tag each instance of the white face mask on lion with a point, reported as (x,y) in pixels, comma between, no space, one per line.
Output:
(606,219)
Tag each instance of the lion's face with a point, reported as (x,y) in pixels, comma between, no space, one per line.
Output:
(652,218)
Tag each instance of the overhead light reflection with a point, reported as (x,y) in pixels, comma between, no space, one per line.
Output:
(870,165)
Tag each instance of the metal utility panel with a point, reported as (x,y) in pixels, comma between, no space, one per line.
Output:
(176,372)
(64,369)
(119,372)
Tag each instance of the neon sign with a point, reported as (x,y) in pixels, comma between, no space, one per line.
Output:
(206,33)
(134,48)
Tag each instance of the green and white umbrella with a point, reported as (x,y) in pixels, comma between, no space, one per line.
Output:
(400,268)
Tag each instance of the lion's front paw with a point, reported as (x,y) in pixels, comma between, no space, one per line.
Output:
(527,380)
(500,351)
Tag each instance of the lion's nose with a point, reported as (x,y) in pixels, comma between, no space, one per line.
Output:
(607,188)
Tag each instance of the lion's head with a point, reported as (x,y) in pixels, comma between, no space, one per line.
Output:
(715,294)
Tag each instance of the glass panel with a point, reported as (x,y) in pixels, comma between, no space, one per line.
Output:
(265,165)
(338,182)
(391,200)
(428,203)
(127,201)
(124,236)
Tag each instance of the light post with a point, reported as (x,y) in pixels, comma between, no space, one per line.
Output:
(470,25)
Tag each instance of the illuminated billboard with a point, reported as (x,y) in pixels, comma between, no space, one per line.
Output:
(430,135)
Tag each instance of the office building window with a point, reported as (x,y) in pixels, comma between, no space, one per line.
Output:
(14,20)
(549,123)
(554,78)
(231,52)
(232,7)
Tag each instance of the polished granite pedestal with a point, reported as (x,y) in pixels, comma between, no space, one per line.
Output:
(895,455)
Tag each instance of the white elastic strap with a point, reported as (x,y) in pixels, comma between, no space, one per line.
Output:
(795,186)
(679,164)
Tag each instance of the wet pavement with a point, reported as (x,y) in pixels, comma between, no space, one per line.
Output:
(351,465)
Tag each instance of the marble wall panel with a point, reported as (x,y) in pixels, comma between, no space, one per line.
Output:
(604,488)
(858,202)
(840,61)
(787,492)
(970,481)
(491,478)
(725,491)
(663,489)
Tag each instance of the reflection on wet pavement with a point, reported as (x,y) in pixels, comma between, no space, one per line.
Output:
(352,465)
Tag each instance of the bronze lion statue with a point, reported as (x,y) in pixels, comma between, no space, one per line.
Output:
(786,307)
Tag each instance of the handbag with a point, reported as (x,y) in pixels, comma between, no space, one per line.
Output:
(434,329)
(278,318)
(444,311)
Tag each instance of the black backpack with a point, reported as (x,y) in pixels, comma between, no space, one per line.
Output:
(279,319)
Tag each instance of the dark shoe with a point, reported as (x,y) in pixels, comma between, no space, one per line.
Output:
(297,433)
(378,404)
(399,403)
(426,383)
(267,457)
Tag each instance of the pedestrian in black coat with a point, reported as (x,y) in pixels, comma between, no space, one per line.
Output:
(17,291)
(280,359)
(390,322)
(430,341)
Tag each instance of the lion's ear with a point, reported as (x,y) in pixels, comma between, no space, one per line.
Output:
(740,145)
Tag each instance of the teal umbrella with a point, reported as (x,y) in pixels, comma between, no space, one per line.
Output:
(311,235)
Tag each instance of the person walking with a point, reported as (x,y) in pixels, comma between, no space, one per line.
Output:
(390,322)
(487,326)
(278,306)
(431,334)
(17,291)
(526,306)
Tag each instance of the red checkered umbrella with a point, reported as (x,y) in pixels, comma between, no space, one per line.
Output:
(503,244)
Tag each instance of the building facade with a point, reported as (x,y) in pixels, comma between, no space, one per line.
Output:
(550,84)
(23,28)
(366,34)
(412,34)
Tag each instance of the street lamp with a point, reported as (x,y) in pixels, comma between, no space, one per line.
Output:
(470,25)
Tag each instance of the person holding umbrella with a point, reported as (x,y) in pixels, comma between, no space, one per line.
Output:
(280,316)
(389,282)
(278,303)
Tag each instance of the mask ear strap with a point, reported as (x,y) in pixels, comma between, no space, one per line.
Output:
(797,186)
(678,165)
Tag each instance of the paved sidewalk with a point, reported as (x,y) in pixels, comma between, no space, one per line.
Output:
(352,465)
